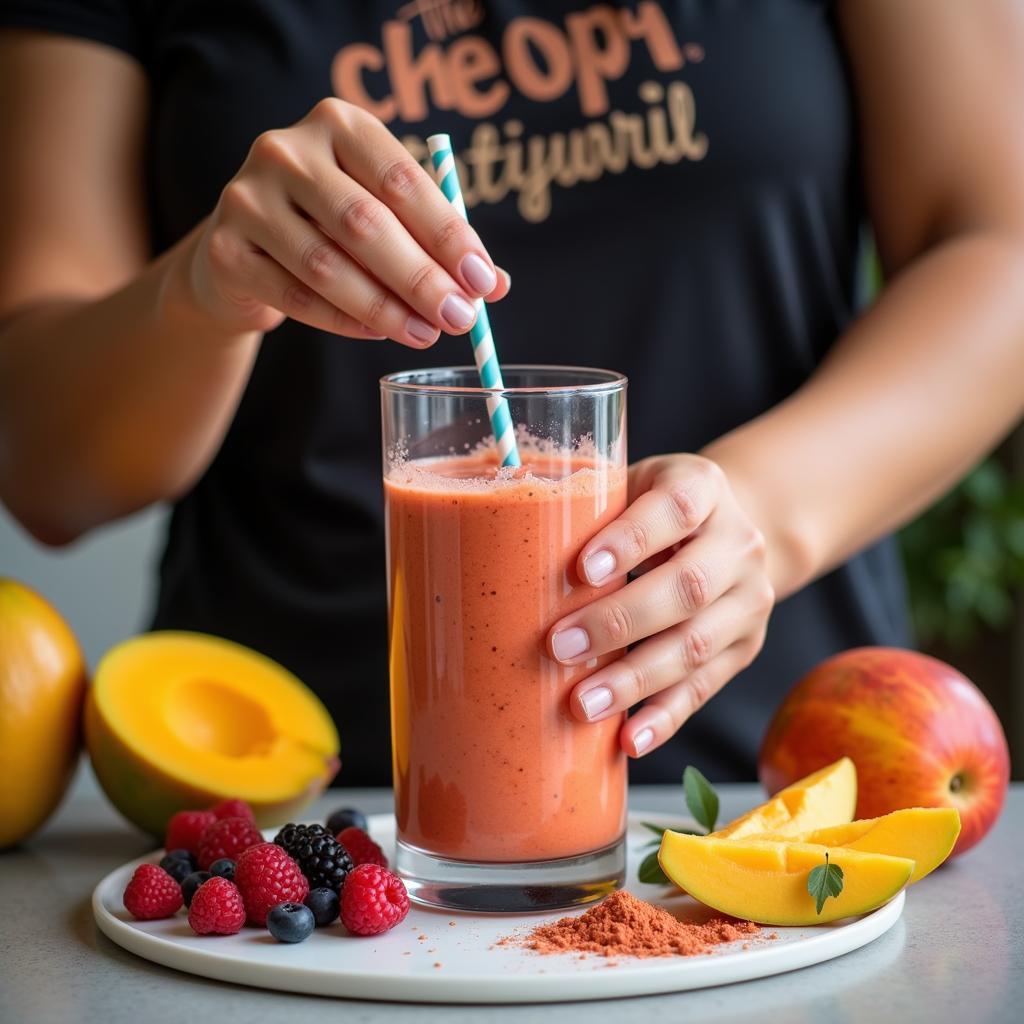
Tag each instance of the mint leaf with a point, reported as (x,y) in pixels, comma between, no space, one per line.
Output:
(824,881)
(701,798)
(650,870)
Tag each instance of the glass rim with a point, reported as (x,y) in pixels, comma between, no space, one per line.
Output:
(606,381)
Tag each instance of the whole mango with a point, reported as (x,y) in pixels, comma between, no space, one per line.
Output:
(42,687)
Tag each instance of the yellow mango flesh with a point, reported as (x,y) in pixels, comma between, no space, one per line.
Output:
(824,798)
(181,720)
(924,834)
(766,882)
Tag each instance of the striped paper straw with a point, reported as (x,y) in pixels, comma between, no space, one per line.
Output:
(486,357)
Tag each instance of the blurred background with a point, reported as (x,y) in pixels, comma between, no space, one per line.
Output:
(964,558)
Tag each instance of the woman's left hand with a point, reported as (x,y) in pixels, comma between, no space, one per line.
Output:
(700,612)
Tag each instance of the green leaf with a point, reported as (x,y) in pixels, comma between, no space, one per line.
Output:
(701,799)
(658,830)
(650,871)
(824,881)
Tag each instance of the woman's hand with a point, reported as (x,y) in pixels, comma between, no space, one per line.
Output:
(697,615)
(332,222)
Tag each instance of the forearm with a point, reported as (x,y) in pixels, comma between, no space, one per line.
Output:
(108,405)
(922,385)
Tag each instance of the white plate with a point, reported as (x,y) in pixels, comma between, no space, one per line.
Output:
(401,965)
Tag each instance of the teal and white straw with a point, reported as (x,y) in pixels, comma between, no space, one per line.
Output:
(486,357)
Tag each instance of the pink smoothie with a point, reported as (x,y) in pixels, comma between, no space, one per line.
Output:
(489,765)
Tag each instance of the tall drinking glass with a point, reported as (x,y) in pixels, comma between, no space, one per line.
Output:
(504,802)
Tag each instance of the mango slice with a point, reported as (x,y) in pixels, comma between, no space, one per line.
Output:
(924,834)
(824,798)
(179,720)
(766,882)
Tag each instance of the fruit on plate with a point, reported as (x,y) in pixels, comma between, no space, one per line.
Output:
(182,720)
(825,797)
(766,882)
(291,922)
(42,684)
(924,834)
(152,894)
(919,732)
(373,900)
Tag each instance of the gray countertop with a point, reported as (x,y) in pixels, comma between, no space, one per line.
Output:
(957,954)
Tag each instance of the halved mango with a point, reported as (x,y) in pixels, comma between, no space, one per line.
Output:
(824,798)
(924,834)
(183,720)
(766,881)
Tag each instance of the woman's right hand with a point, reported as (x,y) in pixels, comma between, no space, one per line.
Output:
(331,222)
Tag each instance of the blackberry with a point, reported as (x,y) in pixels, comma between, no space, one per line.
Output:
(321,858)
(346,817)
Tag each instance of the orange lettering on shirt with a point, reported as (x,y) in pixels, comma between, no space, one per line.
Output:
(347,78)
(650,24)
(470,61)
(536,83)
(411,75)
(597,62)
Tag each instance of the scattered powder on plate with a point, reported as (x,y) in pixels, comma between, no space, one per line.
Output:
(626,926)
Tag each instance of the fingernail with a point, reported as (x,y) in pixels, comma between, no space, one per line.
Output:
(568,643)
(596,700)
(506,277)
(457,311)
(642,740)
(420,329)
(599,566)
(478,274)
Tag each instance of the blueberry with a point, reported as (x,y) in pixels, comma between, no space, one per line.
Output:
(223,868)
(290,922)
(179,868)
(324,904)
(346,817)
(191,883)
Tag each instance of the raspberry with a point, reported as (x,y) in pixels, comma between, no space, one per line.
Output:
(373,900)
(217,908)
(265,876)
(152,894)
(361,848)
(227,837)
(186,828)
(234,808)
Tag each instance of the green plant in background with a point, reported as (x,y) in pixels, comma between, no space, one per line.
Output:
(965,557)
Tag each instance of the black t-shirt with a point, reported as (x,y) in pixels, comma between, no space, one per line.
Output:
(674,189)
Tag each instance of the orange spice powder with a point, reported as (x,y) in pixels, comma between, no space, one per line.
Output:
(626,926)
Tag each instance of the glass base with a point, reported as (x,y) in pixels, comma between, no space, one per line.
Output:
(524,887)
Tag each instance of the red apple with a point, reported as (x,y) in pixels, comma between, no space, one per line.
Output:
(920,733)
